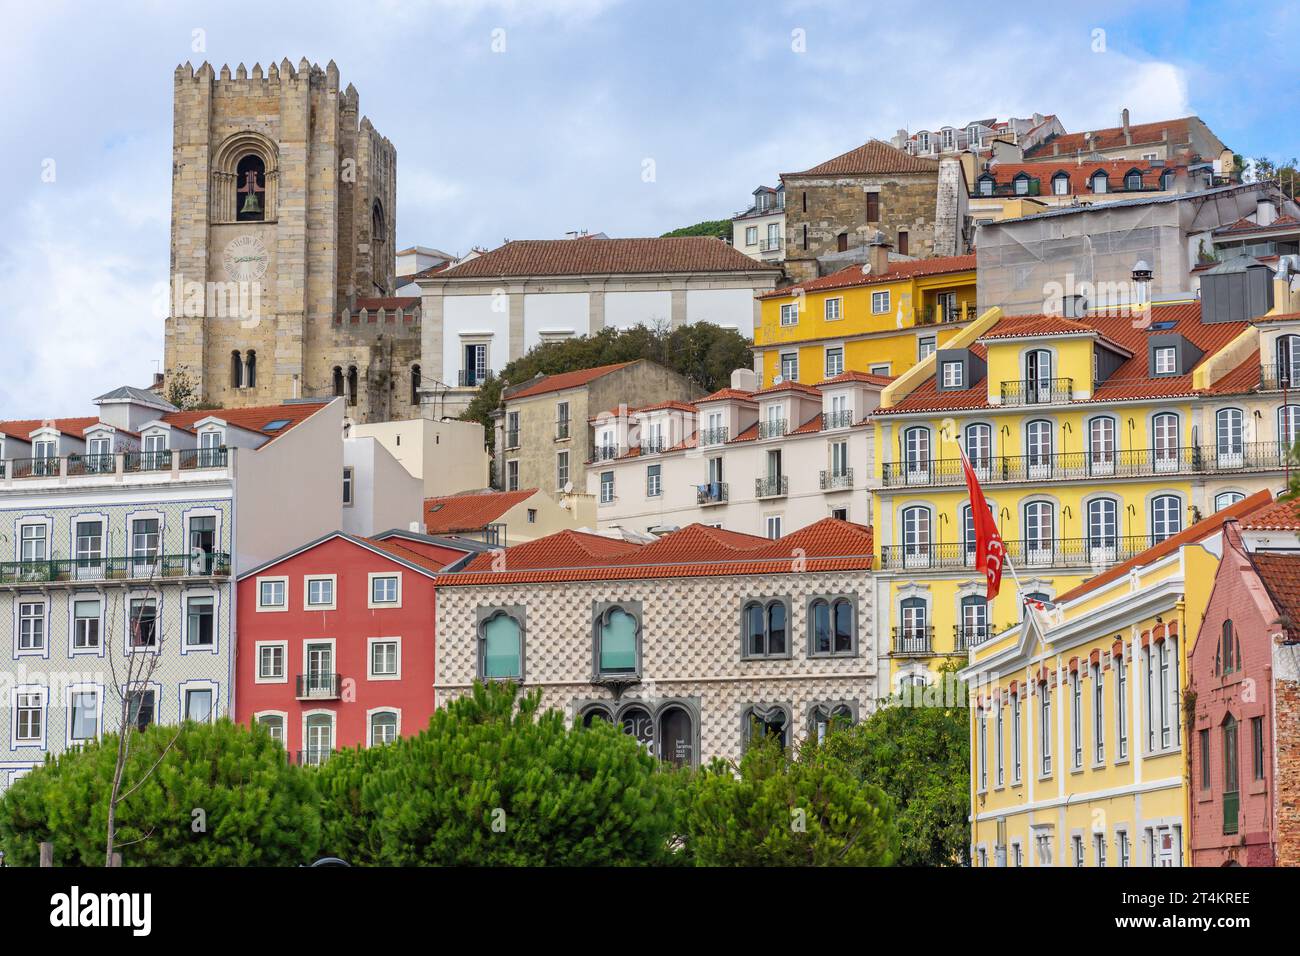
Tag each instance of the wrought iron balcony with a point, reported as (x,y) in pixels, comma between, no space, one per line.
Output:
(772,428)
(1075,465)
(606,453)
(712,493)
(1274,377)
(189,459)
(147,461)
(80,466)
(315,686)
(34,468)
(1100,551)
(132,569)
(771,486)
(965,636)
(771,245)
(91,464)
(840,418)
(1040,391)
(653,446)
(911,640)
(715,436)
(473,378)
(314,756)
(832,480)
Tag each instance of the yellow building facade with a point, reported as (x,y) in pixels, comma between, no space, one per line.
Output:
(1094,438)
(883,321)
(1078,737)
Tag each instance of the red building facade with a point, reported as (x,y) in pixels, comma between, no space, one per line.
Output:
(335,641)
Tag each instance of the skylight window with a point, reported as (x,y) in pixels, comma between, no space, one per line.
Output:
(276,425)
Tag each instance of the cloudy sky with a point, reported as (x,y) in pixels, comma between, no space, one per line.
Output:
(529,118)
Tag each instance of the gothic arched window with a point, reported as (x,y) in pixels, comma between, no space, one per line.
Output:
(250,189)
(250,370)
(338,381)
(415,385)
(352,384)
(236,369)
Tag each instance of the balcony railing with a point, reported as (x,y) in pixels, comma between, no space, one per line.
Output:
(771,486)
(1273,377)
(147,461)
(770,245)
(831,480)
(315,686)
(715,436)
(80,466)
(76,571)
(606,453)
(189,459)
(772,427)
(91,464)
(912,640)
(1062,466)
(932,314)
(473,378)
(34,468)
(840,418)
(1040,391)
(315,756)
(1100,551)
(712,493)
(966,636)
(653,446)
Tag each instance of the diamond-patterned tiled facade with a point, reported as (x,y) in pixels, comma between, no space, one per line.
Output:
(690,650)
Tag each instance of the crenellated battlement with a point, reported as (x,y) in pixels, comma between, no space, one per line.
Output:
(244,80)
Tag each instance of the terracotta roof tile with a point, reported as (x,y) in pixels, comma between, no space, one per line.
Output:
(788,386)
(851,376)
(564,549)
(1281,515)
(593,256)
(251,419)
(22,428)
(875,156)
(1281,575)
(1284,222)
(1079,174)
(853,276)
(1113,137)
(562,380)
(727,394)
(470,510)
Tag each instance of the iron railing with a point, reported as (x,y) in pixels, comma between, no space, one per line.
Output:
(1037,391)
(314,756)
(772,427)
(77,571)
(831,480)
(966,636)
(653,446)
(91,465)
(715,436)
(189,459)
(1098,551)
(770,245)
(606,453)
(771,486)
(1061,466)
(911,639)
(79,466)
(317,686)
(34,468)
(1273,377)
(147,461)
(712,493)
(473,378)
(840,418)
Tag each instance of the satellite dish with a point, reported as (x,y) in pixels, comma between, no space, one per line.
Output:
(568,487)
(778,379)
(866,268)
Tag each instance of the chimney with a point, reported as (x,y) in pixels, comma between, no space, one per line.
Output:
(1142,282)
(878,254)
(1123,122)
(1073,306)
(1286,285)
(744,379)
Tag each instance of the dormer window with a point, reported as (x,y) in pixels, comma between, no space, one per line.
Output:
(986,186)
(1022,185)
(1061,184)
(1167,179)
(1133,180)
(923,142)
(1099,181)
(953,375)
(1166,360)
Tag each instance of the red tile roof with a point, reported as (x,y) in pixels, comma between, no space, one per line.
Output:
(1113,138)
(1284,222)
(1281,576)
(852,376)
(1281,515)
(788,386)
(406,554)
(853,276)
(727,394)
(594,256)
(1279,317)
(664,406)
(1079,174)
(559,382)
(251,419)
(694,551)
(22,428)
(1202,529)
(872,157)
(470,510)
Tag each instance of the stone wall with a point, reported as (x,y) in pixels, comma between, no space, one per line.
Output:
(1286,757)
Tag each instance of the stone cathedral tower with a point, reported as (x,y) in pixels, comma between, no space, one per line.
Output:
(282,255)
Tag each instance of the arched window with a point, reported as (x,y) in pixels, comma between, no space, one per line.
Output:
(618,633)
(1231,789)
(973,625)
(1133,180)
(1164,441)
(916,453)
(979,445)
(1021,183)
(1230,445)
(773,721)
(378,229)
(1226,499)
(1288,428)
(1101,445)
(916,536)
(676,736)
(250,189)
(832,627)
(338,382)
(986,185)
(274,724)
(501,646)
(250,370)
(320,739)
(912,636)
(1061,184)
(766,626)
(1040,532)
(1288,360)
(236,370)
(1228,648)
(352,384)
(825,718)
(595,713)
(415,385)
(1103,528)
(1167,179)
(383,727)
(1038,448)
(1099,181)
(1166,517)
(638,723)
(1038,376)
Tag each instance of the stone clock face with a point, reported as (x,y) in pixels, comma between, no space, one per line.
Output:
(245,259)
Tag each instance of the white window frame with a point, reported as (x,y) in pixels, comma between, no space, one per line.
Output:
(272,579)
(186,686)
(880,302)
(772,523)
(789,313)
(307,580)
(284,724)
(1166,360)
(258,647)
(69,694)
(370,729)
(186,646)
(828,351)
(958,379)
(606,487)
(833,308)
(41,692)
(24,600)
(370,658)
(370,589)
(73,599)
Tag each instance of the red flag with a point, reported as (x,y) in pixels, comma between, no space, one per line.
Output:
(989,552)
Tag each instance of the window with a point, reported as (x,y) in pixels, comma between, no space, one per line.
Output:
(1226,499)
(914,632)
(953,375)
(790,366)
(1227,662)
(270,662)
(916,535)
(773,523)
(618,639)
(33,543)
(880,302)
(1231,791)
(385,659)
(1043,847)
(512,475)
(561,420)
(1257,748)
(561,469)
(986,185)
(1121,708)
(834,309)
(199,621)
(1076,720)
(198,704)
(1229,438)
(1098,715)
(1133,180)
(1164,430)
(751,235)
(790,313)
(142,622)
(1040,532)
(415,385)
(320,593)
(385,589)
(1203,742)
(319,734)
(1166,517)
(140,708)
(272,594)
(925,346)
(501,644)
(832,627)
(383,728)
(84,715)
(1076,842)
(981,741)
(766,625)
(902,242)
(85,624)
(1061,184)
(1288,425)
(274,724)
(653,481)
(250,188)
(880,369)
(1099,848)
(347,486)
(979,444)
(1021,184)
(1045,728)
(606,487)
(998,749)
(834,361)
(89,544)
(1166,360)
(771,722)
(31,626)
(873,207)
(974,623)
(1015,738)
(29,719)
(1099,182)
(823,718)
